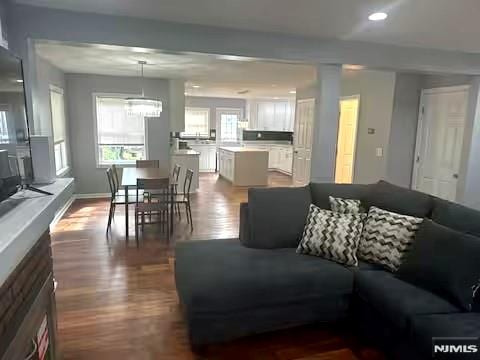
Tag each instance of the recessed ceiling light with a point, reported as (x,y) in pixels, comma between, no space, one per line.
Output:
(19,81)
(195,86)
(353,67)
(276,98)
(293,91)
(185,94)
(378,16)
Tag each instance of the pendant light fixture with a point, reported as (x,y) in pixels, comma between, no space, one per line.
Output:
(143,106)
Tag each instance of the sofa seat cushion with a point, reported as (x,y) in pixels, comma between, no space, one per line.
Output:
(400,200)
(425,327)
(221,276)
(396,300)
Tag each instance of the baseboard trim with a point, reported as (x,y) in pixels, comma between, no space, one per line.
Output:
(93,196)
(62,211)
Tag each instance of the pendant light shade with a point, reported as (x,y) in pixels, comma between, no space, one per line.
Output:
(146,107)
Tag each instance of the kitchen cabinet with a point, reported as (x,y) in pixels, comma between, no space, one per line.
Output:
(207,156)
(272,115)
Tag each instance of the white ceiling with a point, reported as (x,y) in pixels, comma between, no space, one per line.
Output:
(216,75)
(440,24)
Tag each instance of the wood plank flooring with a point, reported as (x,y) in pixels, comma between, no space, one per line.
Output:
(115,301)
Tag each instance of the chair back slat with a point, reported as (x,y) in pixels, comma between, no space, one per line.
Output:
(158,185)
(176,173)
(188,182)
(147,164)
(116,181)
(111,181)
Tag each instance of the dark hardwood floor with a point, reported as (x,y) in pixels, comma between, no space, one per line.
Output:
(115,301)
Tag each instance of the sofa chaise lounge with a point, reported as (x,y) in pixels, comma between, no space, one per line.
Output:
(258,283)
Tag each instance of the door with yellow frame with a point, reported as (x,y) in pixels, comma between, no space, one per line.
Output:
(347,139)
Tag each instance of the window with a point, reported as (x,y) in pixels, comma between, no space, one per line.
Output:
(57,108)
(229,124)
(120,137)
(196,122)
(4,137)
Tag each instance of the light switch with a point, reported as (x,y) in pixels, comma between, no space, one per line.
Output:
(379,152)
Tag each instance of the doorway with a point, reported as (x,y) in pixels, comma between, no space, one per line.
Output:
(347,139)
(228,129)
(438,150)
(302,143)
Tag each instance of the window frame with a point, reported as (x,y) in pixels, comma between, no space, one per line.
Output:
(218,115)
(107,164)
(197,108)
(5,108)
(64,158)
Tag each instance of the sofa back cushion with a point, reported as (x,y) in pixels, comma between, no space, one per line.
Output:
(277,216)
(322,191)
(456,216)
(444,261)
(400,200)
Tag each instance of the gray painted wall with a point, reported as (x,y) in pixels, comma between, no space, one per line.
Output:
(376,90)
(403,130)
(213,103)
(89,178)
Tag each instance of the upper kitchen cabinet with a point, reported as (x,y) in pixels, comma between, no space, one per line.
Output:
(177,105)
(271,115)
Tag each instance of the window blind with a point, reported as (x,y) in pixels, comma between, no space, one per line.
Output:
(114,126)
(58,114)
(196,122)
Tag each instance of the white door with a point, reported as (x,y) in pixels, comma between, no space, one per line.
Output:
(228,130)
(347,138)
(439,141)
(302,143)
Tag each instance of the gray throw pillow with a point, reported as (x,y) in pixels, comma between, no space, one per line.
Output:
(345,206)
(331,235)
(386,237)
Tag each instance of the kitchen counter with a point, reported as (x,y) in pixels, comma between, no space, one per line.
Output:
(185,152)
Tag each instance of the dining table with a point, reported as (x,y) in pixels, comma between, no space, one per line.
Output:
(129,182)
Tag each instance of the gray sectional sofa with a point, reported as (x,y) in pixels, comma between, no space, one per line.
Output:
(258,283)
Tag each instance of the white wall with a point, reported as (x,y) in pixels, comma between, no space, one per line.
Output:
(90,179)
(401,147)
(213,103)
(376,90)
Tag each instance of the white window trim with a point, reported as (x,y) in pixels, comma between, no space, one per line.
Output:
(63,171)
(120,164)
(200,108)
(218,112)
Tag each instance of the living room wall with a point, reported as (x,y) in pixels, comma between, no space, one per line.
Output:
(89,178)
(376,90)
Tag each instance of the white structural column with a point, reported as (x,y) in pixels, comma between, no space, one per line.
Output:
(325,129)
(468,190)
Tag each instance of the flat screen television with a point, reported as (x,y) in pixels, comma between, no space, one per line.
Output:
(15,153)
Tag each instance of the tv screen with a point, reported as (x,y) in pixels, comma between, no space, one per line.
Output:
(15,159)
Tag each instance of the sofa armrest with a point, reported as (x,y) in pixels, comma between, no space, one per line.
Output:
(244,235)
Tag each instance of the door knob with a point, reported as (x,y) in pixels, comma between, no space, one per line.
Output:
(455,176)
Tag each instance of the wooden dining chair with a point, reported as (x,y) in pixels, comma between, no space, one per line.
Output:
(147,164)
(184,198)
(116,198)
(116,182)
(157,206)
(174,179)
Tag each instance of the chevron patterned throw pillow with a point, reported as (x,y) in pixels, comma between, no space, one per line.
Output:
(331,235)
(345,206)
(387,237)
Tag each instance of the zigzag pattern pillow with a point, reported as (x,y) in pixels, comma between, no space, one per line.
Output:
(386,237)
(345,206)
(332,235)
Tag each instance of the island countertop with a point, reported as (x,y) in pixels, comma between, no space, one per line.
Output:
(240,149)
(24,218)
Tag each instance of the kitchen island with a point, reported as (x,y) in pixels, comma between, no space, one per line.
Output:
(244,166)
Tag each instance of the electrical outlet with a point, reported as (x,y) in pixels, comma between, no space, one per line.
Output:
(379,152)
